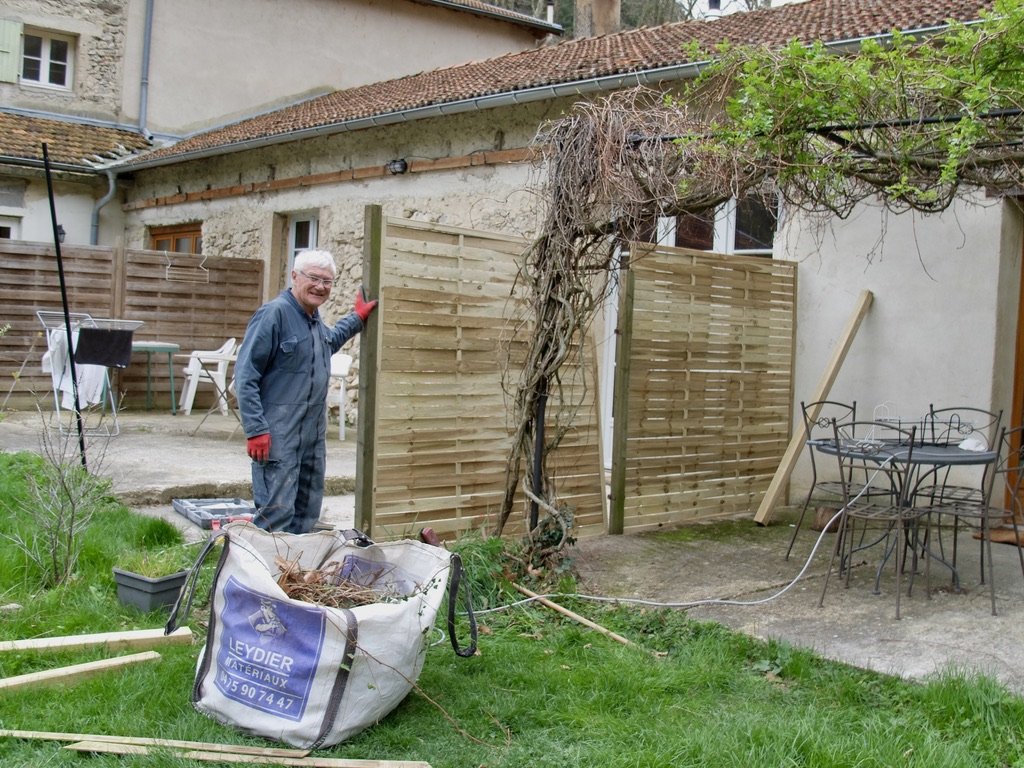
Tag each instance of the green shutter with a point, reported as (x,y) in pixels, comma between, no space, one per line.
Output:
(10,45)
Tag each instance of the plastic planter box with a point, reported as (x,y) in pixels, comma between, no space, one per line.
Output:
(147,593)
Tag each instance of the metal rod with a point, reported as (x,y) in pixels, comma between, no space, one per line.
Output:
(64,304)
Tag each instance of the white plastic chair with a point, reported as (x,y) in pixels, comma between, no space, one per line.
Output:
(340,364)
(211,367)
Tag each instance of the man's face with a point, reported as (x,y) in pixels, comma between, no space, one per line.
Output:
(311,287)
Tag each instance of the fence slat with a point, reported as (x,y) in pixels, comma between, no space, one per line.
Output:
(194,315)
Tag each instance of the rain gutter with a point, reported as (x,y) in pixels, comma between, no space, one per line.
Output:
(31,162)
(526,21)
(688,70)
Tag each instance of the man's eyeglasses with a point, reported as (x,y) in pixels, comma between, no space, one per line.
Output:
(326,282)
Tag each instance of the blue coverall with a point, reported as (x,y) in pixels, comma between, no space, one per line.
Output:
(281,379)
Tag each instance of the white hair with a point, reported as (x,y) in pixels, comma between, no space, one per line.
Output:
(313,258)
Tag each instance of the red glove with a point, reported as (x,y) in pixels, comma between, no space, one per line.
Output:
(258,447)
(363,308)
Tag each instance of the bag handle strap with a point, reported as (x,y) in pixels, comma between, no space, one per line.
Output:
(188,590)
(454,581)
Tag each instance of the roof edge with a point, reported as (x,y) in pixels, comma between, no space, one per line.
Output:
(681,71)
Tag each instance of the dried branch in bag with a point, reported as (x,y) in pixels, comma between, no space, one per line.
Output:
(326,586)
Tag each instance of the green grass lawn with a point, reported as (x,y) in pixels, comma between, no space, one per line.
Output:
(543,691)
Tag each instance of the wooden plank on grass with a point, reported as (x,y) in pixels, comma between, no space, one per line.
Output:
(75,672)
(137,639)
(796,445)
(144,741)
(107,747)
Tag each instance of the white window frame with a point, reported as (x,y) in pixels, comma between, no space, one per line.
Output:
(725,230)
(45,61)
(295,221)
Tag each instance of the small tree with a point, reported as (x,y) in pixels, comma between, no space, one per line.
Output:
(61,501)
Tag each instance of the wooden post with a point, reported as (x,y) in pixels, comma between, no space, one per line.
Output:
(796,444)
(369,362)
(620,404)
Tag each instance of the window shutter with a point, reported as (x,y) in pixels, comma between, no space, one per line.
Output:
(10,43)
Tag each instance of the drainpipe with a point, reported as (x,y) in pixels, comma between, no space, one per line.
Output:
(147,38)
(94,233)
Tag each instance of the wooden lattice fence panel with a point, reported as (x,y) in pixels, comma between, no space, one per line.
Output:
(30,281)
(707,368)
(196,308)
(193,301)
(441,434)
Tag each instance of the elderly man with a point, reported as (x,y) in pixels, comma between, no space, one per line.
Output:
(281,380)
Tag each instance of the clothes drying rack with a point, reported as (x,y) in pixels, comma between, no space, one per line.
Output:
(57,362)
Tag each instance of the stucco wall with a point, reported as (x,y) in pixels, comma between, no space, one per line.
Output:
(945,305)
(214,62)
(209,65)
(75,201)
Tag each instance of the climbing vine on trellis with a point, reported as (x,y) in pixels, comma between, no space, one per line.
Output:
(912,122)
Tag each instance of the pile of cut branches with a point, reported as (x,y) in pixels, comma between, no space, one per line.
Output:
(325,586)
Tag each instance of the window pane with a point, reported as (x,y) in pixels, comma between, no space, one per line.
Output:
(183,238)
(59,51)
(33,46)
(695,231)
(58,74)
(302,235)
(5,232)
(32,61)
(755,224)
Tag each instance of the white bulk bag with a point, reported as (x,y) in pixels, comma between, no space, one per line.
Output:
(305,674)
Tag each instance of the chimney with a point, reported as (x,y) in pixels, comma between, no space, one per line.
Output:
(596,17)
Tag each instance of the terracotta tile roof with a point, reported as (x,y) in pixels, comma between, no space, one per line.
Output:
(568,62)
(566,66)
(68,143)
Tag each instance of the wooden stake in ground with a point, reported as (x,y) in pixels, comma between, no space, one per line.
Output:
(796,445)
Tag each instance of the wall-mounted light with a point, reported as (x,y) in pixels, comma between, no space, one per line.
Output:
(396,167)
(60,233)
